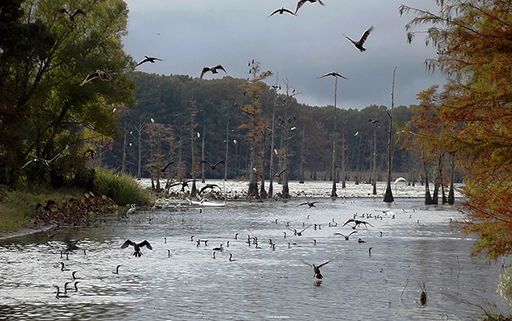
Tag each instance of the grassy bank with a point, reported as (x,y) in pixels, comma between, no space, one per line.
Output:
(17,207)
(121,188)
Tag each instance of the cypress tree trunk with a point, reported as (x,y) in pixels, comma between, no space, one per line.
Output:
(226,153)
(428,197)
(253,182)
(272,146)
(451,192)
(443,194)
(358,159)
(202,156)
(388,197)
(193,192)
(123,162)
(263,193)
(301,161)
(374,166)
(343,174)
(333,172)
(285,191)
(437,181)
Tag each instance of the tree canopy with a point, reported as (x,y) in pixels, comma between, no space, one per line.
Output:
(473,40)
(48,51)
(221,104)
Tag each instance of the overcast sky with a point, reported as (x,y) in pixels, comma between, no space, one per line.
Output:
(190,34)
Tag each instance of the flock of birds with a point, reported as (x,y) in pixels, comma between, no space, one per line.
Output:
(290,238)
(103,75)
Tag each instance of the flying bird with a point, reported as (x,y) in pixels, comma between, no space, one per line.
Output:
(165,167)
(357,223)
(98,74)
(302,2)
(281,11)
(310,204)
(72,16)
(212,69)
(214,165)
(70,244)
(359,44)
(183,185)
(345,236)
(373,121)
(299,233)
(316,269)
(281,172)
(136,246)
(148,59)
(48,163)
(333,74)
(212,186)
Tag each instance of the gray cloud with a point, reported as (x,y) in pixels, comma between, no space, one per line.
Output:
(190,34)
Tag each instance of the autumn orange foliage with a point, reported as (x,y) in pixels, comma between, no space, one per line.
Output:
(473,39)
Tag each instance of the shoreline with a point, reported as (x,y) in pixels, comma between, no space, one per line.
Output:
(182,203)
(25,231)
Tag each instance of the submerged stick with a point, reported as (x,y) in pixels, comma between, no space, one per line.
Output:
(401,295)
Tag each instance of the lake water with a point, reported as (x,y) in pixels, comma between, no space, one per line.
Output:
(417,246)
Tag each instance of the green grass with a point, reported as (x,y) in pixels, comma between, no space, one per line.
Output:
(123,189)
(17,207)
(10,219)
(496,317)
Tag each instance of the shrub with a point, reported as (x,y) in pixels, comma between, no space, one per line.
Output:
(121,188)
(505,285)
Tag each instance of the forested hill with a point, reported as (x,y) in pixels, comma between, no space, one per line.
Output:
(166,106)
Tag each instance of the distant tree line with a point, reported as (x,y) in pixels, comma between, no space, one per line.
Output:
(223,107)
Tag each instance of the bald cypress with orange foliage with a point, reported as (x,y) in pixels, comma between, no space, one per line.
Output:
(473,40)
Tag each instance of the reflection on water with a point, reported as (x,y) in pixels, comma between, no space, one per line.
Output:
(258,284)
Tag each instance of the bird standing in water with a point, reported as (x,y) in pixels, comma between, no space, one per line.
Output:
(59,294)
(136,246)
(117,269)
(316,269)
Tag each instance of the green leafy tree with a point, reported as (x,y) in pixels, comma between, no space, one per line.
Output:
(48,103)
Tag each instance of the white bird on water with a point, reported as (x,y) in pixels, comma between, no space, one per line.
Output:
(132,209)
(400,179)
